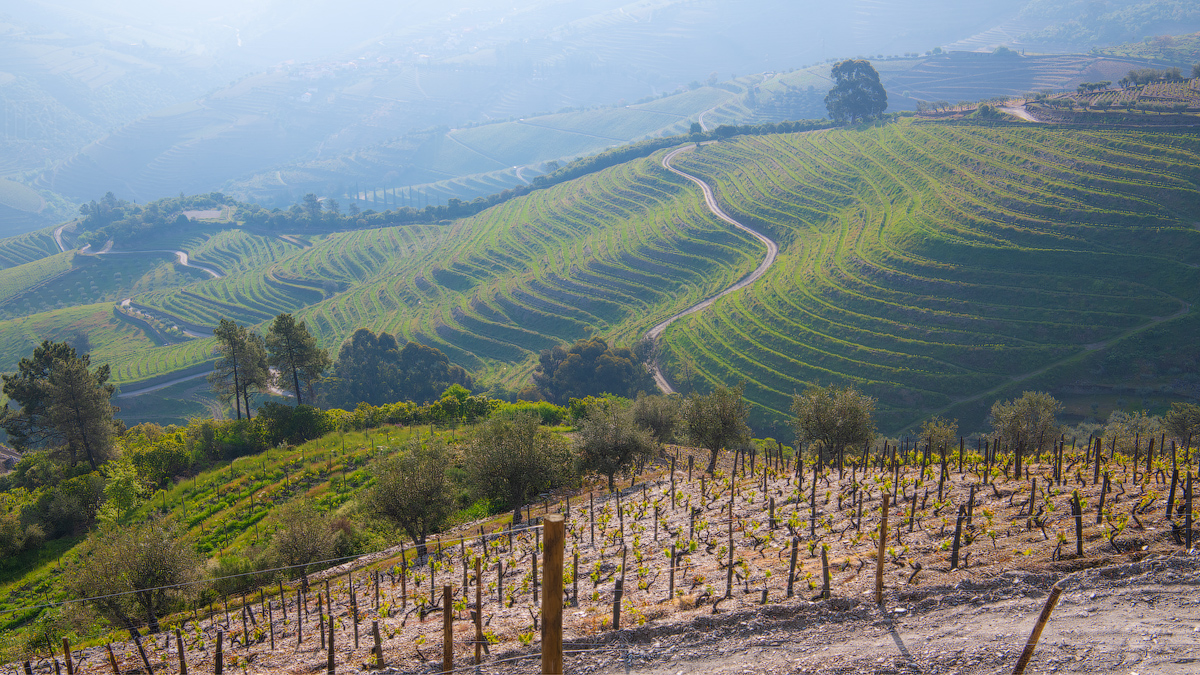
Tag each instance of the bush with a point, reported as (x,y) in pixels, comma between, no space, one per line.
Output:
(292,424)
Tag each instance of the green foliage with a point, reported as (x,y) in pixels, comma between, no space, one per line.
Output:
(1124,429)
(293,424)
(1029,422)
(63,404)
(294,353)
(412,491)
(857,93)
(242,369)
(124,222)
(658,414)
(305,536)
(374,369)
(835,416)
(1183,422)
(609,441)
(127,571)
(717,421)
(511,459)
(590,367)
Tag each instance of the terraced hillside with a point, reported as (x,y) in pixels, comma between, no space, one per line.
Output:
(598,254)
(936,265)
(930,264)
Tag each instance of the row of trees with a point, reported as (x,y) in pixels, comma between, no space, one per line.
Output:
(250,364)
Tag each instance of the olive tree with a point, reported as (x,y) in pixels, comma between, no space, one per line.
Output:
(512,458)
(1183,422)
(412,492)
(1026,423)
(610,442)
(135,570)
(657,414)
(835,418)
(716,421)
(305,536)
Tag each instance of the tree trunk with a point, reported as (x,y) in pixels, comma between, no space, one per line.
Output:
(516,514)
(296,381)
(712,461)
(612,482)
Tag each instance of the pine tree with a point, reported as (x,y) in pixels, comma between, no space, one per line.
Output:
(294,352)
(242,367)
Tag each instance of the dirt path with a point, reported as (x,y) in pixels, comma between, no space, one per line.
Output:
(711,201)
(163,385)
(58,237)
(1019,112)
(1137,618)
(180,256)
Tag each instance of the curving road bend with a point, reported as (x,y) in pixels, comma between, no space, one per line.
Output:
(710,200)
(180,256)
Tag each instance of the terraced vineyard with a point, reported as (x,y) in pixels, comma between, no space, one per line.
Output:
(937,266)
(932,263)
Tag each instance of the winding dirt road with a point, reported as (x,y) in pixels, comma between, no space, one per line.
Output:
(180,256)
(710,200)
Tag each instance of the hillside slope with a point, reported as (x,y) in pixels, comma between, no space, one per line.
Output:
(937,266)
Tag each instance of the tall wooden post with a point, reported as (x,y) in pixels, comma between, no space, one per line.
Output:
(67,656)
(478,610)
(882,549)
(1030,644)
(552,597)
(182,655)
(447,628)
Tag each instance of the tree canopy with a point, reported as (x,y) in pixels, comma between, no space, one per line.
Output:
(411,490)
(590,367)
(242,369)
(857,93)
(610,442)
(717,420)
(374,369)
(294,352)
(63,403)
(130,571)
(512,458)
(835,417)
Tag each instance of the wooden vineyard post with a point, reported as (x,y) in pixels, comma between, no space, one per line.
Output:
(882,549)
(671,576)
(1037,630)
(447,628)
(957,537)
(1077,516)
(1187,516)
(792,566)
(618,591)
(478,610)
(552,597)
(112,658)
(66,644)
(329,663)
(321,619)
(182,655)
(771,517)
(729,567)
(377,650)
(283,601)
(218,658)
(825,572)
(575,578)
(271,624)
